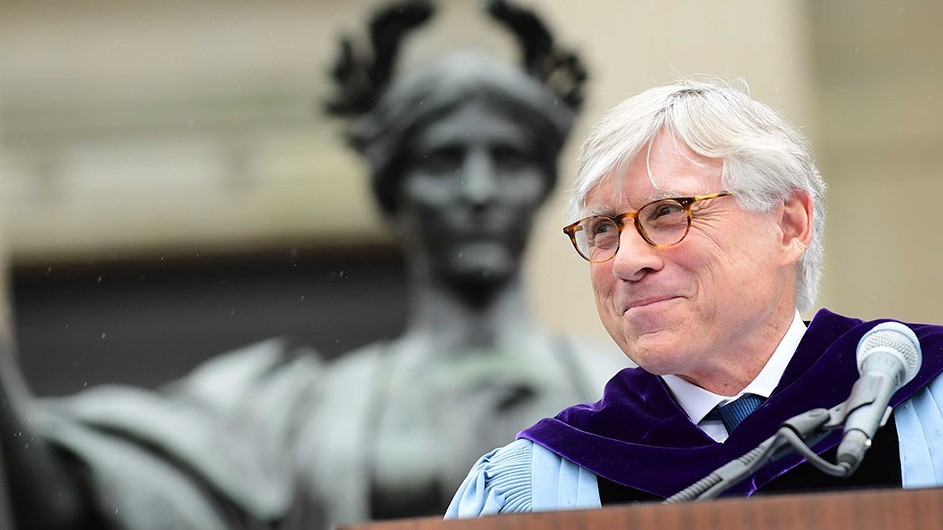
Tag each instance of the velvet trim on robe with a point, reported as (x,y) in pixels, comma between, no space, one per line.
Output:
(637,436)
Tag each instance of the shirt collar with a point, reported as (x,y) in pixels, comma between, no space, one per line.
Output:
(697,402)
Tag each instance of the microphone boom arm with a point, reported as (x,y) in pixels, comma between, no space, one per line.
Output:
(797,433)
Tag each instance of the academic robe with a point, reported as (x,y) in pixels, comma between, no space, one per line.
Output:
(639,438)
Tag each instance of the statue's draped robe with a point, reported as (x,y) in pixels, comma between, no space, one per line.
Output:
(272,436)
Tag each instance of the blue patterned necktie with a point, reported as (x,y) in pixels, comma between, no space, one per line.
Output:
(736,411)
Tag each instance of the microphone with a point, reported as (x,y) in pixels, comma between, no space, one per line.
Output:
(889,357)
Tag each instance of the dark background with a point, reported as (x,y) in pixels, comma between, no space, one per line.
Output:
(147,321)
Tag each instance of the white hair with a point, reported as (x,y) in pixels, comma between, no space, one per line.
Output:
(764,158)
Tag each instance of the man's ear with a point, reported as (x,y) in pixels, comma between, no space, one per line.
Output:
(796,225)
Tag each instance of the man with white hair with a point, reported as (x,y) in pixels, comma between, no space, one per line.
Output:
(701,213)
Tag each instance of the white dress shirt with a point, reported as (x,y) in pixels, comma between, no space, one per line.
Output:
(697,402)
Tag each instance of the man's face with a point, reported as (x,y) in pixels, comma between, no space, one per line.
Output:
(709,308)
(472,186)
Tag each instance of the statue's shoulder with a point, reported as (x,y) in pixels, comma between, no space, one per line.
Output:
(362,369)
(361,358)
(275,369)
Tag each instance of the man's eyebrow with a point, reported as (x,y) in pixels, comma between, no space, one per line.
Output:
(609,211)
(662,194)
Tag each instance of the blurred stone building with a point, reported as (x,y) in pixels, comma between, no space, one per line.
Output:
(170,188)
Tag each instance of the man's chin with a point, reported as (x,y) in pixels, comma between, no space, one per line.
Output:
(658,363)
(655,350)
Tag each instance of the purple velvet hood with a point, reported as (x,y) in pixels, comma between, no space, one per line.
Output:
(637,436)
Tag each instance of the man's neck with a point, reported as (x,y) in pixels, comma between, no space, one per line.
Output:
(735,363)
(697,402)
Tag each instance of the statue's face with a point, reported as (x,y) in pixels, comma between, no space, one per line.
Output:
(472,184)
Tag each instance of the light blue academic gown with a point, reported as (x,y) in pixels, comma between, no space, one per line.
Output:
(525,477)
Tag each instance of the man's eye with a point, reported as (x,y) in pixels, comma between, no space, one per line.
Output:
(600,226)
(663,209)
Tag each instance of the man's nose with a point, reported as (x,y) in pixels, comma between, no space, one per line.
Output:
(478,180)
(635,256)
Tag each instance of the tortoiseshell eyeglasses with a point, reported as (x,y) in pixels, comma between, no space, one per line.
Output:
(661,223)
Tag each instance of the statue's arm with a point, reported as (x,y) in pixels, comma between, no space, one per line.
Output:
(37,482)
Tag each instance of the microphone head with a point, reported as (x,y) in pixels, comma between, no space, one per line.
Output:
(896,339)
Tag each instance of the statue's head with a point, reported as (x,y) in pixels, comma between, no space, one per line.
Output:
(462,153)
(411,105)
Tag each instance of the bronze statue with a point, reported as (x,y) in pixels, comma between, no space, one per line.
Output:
(462,155)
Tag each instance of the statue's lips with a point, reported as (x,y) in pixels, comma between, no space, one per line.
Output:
(490,227)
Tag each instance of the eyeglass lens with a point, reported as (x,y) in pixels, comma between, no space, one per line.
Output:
(660,223)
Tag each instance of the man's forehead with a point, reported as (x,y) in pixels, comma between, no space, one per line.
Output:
(614,194)
(662,173)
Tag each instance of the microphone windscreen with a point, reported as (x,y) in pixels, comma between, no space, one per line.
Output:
(894,338)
